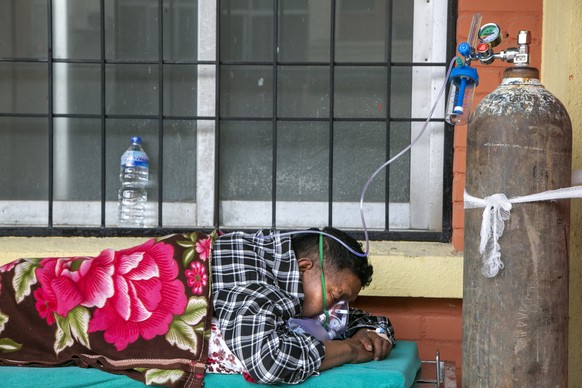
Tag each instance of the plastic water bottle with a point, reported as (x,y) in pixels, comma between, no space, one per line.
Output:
(134,175)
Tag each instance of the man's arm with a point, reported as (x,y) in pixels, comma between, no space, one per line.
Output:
(365,345)
(348,351)
(358,319)
(253,326)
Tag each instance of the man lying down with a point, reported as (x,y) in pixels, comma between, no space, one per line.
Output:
(281,306)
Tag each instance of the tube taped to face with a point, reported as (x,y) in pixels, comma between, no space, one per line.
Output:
(319,328)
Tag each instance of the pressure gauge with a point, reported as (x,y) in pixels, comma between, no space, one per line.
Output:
(490,33)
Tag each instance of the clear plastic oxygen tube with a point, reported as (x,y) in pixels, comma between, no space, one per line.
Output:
(378,170)
(371,178)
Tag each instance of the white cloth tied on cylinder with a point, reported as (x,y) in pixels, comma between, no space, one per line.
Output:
(497,212)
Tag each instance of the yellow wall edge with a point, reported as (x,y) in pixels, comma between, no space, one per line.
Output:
(431,270)
(415,269)
(562,75)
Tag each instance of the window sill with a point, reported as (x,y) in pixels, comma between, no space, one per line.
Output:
(413,269)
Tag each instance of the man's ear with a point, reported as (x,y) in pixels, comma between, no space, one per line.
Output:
(304,264)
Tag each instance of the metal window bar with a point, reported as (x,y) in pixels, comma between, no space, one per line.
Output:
(50,230)
(441,236)
(160,112)
(331,109)
(388,57)
(217,116)
(274,126)
(50,114)
(102,108)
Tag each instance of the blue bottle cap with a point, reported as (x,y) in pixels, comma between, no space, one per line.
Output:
(136,140)
(466,72)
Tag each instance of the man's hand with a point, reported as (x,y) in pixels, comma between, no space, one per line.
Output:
(374,343)
(365,345)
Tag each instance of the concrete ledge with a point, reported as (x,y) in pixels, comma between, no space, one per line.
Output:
(431,270)
(12,248)
(415,269)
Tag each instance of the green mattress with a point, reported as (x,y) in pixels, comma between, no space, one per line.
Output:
(397,371)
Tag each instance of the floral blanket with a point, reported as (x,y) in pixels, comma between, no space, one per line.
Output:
(143,311)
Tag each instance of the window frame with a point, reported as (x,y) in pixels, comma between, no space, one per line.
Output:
(207,212)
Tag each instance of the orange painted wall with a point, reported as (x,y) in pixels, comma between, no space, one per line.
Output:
(425,320)
(434,324)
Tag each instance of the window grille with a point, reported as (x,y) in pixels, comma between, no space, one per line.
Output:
(254,113)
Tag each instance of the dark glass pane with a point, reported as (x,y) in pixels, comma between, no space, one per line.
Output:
(360,92)
(180,90)
(303,91)
(131,32)
(246,158)
(181,30)
(360,31)
(302,161)
(402,30)
(77,159)
(401,92)
(246,30)
(304,30)
(246,91)
(132,89)
(76,29)
(359,149)
(76,88)
(180,160)
(24,87)
(23,28)
(24,155)
(400,168)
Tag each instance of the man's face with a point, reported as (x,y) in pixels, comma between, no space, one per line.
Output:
(340,285)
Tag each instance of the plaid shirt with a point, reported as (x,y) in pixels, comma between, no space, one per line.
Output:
(256,288)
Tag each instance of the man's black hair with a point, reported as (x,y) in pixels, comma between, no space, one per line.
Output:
(334,253)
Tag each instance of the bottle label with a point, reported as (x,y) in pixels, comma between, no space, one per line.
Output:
(135,159)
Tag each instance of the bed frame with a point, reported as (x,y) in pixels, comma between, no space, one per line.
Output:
(437,373)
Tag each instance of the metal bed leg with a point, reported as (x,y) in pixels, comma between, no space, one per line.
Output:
(437,374)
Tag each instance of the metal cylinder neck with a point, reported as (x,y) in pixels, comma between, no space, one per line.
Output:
(521,72)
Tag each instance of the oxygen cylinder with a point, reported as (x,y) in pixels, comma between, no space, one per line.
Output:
(515,325)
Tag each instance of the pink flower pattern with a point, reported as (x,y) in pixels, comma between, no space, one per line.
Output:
(8,266)
(45,306)
(197,277)
(5,268)
(65,284)
(135,291)
(125,296)
(146,295)
(203,248)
